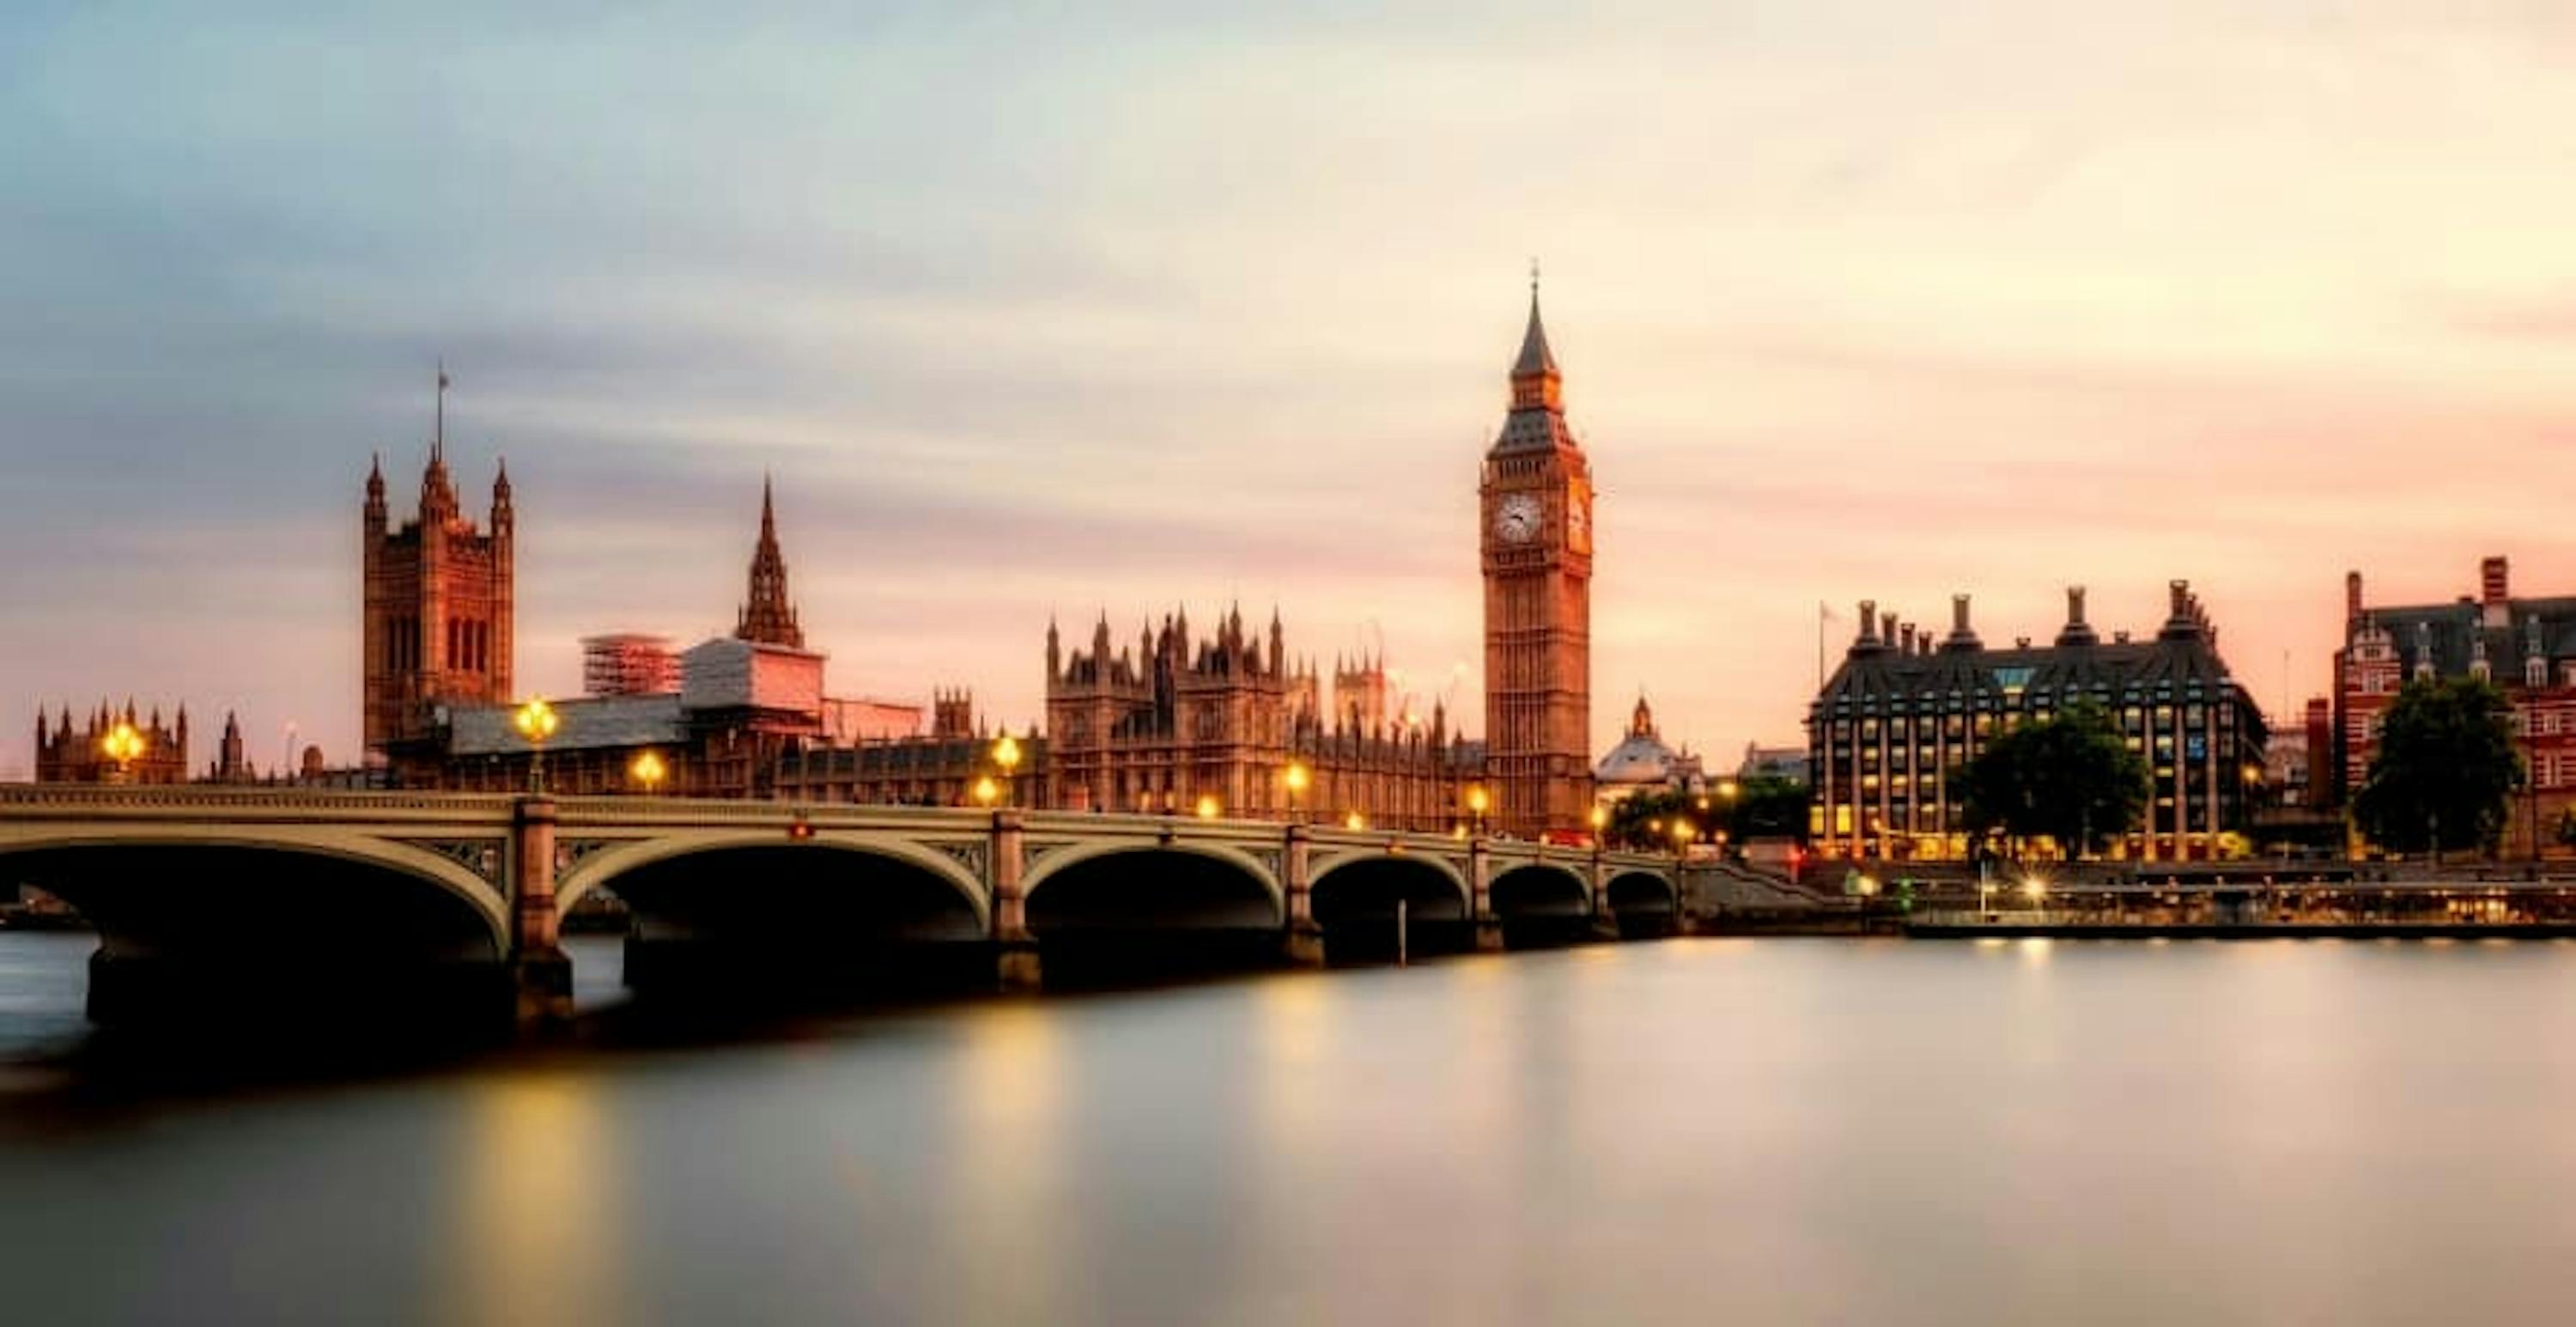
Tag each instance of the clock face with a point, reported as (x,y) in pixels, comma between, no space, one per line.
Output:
(1516,520)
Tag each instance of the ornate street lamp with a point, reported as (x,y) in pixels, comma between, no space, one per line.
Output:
(1006,757)
(986,791)
(1208,806)
(648,771)
(1478,801)
(122,745)
(1355,822)
(536,721)
(1600,825)
(1682,836)
(1297,778)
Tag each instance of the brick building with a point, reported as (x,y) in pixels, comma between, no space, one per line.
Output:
(2526,646)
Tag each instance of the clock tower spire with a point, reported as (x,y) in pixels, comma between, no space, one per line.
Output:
(1536,499)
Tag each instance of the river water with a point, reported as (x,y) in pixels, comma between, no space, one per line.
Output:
(1693,1131)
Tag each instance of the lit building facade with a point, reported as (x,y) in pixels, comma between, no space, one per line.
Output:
(65,754)
(2526,646)
(1159,727)
(1900,718)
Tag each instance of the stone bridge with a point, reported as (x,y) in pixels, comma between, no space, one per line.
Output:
(329,900)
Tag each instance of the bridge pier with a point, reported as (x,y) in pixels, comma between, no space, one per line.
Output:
(1302,946)
(540,971)
(1017,969)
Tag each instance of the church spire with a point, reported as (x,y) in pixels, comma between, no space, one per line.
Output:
(1535,358)
(1537,419)
(767,616)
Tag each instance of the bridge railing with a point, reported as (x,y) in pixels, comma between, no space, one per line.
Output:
(105,797)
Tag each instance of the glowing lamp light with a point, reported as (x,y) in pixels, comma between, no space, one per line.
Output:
(1006,754)
(1208,806)
(536,720)
(1355,821)
(1478,800)
(986,791)
(1297,776)
(122,744)
(648,771)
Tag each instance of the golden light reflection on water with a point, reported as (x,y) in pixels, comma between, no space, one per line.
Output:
(1008,1094)
(539,1236)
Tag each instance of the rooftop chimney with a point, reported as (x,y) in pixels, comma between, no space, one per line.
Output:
(1869,620)
(1962,635)
(1905,637)
(2185,620)
(2352,596)
(2492,592)
(2077,631)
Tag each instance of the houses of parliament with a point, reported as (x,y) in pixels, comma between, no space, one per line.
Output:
(1170,720)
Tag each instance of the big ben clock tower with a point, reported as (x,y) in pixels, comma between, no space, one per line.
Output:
(1537,540)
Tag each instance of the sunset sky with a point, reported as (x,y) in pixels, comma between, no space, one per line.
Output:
(1040,309)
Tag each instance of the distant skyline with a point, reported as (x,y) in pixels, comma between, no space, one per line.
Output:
(1038,312)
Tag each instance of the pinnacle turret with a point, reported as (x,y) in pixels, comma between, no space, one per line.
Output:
(768,618)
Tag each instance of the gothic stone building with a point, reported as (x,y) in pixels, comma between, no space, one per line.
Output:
(1536,502)
(1891,729)
(743,705)
(1156,728)
(438,601)
(68,755)
(2526,646)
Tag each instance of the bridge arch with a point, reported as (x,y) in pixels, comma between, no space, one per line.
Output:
(1354,898)
(1642,902)
(59,861)
(603,868)
(1428,864)
(1214,885)
(1639,890)
(1539,889)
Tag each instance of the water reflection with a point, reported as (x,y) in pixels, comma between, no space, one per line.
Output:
(1686,1132)
(1004,1105)
(539,1198)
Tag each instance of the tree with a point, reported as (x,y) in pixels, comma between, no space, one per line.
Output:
(2445,770)
(2069,777)
(1761,808)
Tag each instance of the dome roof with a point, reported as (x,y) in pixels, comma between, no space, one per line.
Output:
(1640,758)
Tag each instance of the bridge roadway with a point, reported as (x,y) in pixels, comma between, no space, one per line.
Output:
(428,903)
